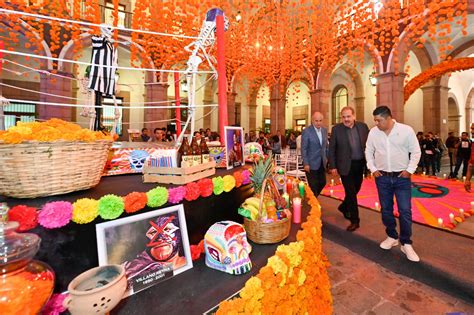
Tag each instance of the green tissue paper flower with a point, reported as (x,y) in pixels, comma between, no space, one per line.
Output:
(218,185)
(111,207)
(157,197)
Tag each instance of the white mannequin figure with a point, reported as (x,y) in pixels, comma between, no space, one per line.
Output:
(198,53)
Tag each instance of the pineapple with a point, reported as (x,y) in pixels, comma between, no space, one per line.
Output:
(261,171)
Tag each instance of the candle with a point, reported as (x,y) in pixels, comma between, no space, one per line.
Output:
(377,206)
(332,182)
(296,210)
(440,222)
(451,218)
(287,199)
(464,178)
(424,173)
(472,205)
(444,176)
(289,186)
(331,192)
(461,211)
(301,187)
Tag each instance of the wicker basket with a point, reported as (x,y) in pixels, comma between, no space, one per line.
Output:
(34,169)
(267,233)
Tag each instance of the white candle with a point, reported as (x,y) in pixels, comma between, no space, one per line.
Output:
(340,180)
(461,211)
(472,205)
(464,178)
(424,173)
(444,176)
(451,218)
(377,206)
(440,222)
(331,192)
(332,182)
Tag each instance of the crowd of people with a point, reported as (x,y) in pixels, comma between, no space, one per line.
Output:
(165,135)
(275,143)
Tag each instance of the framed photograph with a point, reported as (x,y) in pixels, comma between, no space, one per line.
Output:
(152,246)
(234,144)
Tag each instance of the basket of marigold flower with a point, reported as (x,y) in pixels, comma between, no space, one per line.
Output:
(50,158)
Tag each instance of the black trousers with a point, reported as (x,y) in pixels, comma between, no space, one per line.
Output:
(352,183)
(317,179)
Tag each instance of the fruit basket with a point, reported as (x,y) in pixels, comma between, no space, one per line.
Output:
(261,232)
(51,165)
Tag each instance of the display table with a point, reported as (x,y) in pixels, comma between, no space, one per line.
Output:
(72,249)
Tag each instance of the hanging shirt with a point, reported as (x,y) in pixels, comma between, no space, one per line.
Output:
(103,66)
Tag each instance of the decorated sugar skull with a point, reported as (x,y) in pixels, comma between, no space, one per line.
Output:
(137,159)
(227,248)
(279,177)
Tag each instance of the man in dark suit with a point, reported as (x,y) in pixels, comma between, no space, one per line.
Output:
(314,152)
(346,157)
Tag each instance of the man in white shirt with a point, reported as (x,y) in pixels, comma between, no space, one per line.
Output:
(392,153)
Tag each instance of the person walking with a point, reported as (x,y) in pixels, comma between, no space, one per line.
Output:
(314,153)
(451,143)
(428,147)
(392,153)
(463,154)
(346,158)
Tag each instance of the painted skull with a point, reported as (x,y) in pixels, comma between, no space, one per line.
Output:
(137,159)
(227,248)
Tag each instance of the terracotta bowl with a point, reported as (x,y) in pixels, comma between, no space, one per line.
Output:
(96,291)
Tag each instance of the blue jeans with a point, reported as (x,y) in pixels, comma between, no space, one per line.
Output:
(400,187)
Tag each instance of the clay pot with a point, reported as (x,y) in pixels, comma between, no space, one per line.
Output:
(96,291)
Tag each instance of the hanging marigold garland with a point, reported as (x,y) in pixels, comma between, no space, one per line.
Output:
(437,71)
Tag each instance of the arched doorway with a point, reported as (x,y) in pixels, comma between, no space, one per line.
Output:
(453,116)
(340,98)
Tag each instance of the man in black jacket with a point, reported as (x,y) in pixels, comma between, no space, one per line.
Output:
(346,157)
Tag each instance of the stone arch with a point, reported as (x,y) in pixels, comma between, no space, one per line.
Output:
(453,114)
(359,96)
(67,53)
(469,107)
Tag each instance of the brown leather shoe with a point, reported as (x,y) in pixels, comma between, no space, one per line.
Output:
(353,227)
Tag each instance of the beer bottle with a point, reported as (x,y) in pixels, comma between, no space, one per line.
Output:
(184,154)
(204,151)
(196,152)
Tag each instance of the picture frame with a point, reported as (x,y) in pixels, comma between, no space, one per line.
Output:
(234,144)
(152,246)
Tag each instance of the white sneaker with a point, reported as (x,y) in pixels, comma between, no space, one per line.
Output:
(408,250)
(389,243)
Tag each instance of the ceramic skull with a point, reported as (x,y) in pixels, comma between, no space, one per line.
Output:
(227,248)
(137,159)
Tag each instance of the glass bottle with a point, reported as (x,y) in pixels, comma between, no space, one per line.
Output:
(184,154)
(25,284)
(196,152)
(204,151)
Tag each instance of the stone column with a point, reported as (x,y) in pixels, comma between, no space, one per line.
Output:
(359,107)
(59,86)
(277,110)
(231,107)
(390,88)
(321,102)
(252,116)
(154,93)
(435,109)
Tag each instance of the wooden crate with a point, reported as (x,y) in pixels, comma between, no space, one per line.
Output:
(177,175)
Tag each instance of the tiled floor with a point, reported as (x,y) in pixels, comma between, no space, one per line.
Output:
(360,286)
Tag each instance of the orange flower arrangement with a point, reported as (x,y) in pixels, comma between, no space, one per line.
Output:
(436,71)
(294,281)
(51,130)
